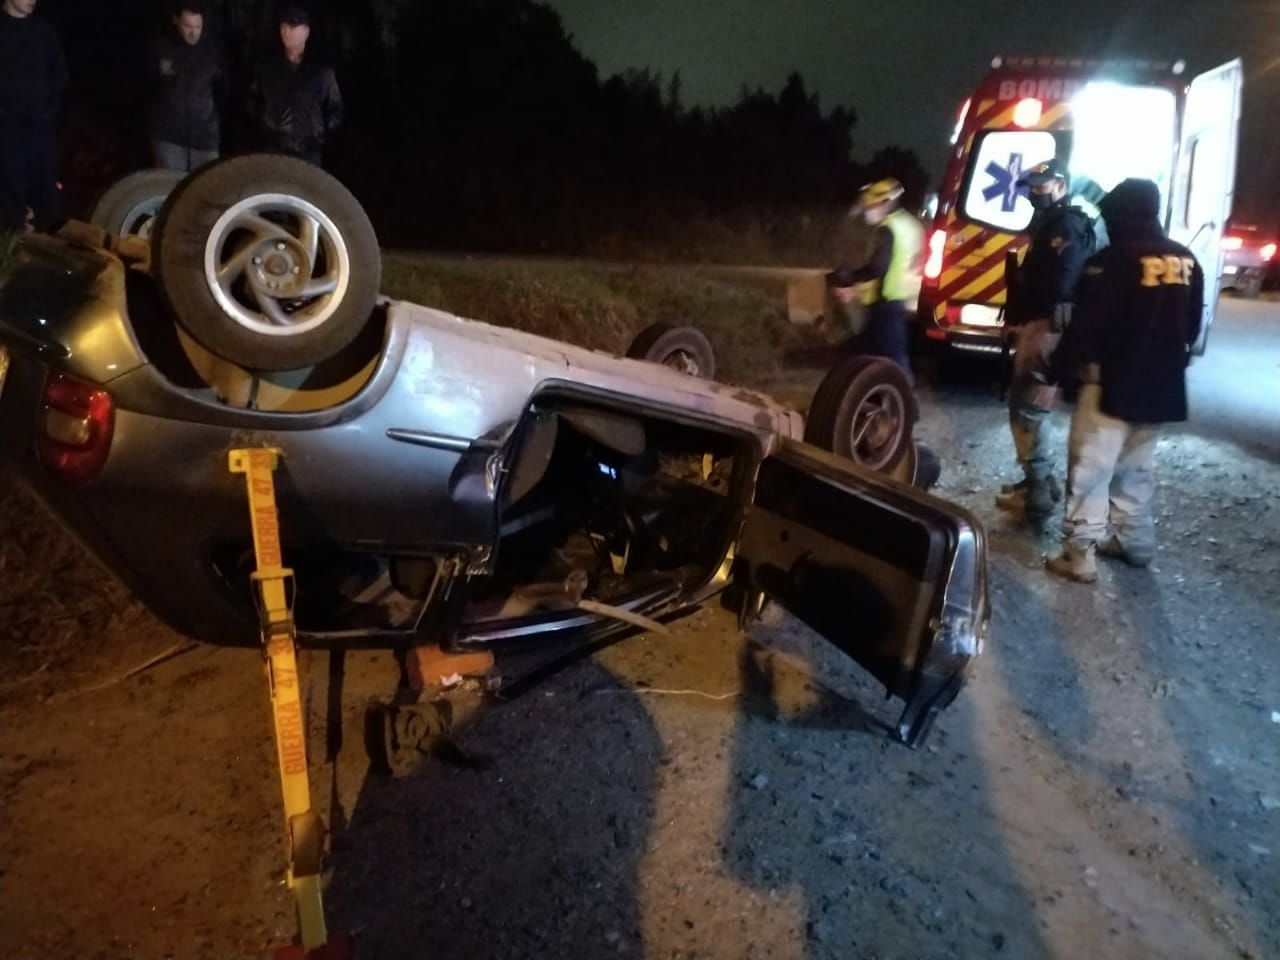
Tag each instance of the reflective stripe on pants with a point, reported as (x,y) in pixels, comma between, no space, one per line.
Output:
(1110,476)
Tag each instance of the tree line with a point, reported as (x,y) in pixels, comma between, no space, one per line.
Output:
(477,124)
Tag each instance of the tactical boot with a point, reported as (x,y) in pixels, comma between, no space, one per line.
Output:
(1075,563)
(1026,497)
(1013,497)
(1111,547)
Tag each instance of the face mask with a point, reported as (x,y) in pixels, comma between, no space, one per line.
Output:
(874,215)
(1040,201)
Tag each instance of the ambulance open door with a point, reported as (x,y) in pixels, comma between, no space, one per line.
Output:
(1206,176)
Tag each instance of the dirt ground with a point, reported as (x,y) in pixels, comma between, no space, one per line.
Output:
(1107,786)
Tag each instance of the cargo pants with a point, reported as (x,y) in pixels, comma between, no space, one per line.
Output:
(1110,478)
(1034,343)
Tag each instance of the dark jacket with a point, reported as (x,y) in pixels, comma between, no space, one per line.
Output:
(1062,240)
(296,105)
(875,267)
(188,85)
(33,73)
(1137,313)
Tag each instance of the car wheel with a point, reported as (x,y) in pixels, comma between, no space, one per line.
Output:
(928,466)
(682,348)
(1249,288)
(267,261)
(865,410)
(130,205)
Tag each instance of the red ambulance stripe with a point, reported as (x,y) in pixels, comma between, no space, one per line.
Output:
(954,256)
(972,273)
(1056,117)
(987,293)
(955,273)
(993,247)
(985,110)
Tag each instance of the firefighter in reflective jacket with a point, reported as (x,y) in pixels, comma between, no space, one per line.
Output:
(1137,316)
(1040,291)
(890,277)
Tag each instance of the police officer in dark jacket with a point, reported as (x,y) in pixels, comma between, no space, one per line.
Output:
(186,75)
(295,98)
(1137,316)
(33,79)
(1040,292)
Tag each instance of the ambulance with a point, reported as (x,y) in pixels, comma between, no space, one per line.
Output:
(1108,120)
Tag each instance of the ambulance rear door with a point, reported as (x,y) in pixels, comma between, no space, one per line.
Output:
(1205,182)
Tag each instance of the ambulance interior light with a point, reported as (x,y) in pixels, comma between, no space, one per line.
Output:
(1123,130)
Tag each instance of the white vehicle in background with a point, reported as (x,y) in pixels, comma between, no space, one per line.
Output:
(1108,121)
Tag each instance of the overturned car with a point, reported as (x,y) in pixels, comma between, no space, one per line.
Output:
(442,479)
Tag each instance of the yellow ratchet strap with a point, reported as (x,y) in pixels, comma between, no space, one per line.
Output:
(304,827)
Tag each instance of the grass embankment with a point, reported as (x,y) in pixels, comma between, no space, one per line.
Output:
(603,306)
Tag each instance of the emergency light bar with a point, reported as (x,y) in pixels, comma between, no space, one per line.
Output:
(1080,63)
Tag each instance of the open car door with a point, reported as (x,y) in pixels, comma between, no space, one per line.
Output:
(1205,182)
(893,577)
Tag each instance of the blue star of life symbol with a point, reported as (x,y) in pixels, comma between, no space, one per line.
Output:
(1004,182)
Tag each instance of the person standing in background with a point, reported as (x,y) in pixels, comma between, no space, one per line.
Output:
(890,276)
(294,97)
(1040,294)
(1138,316)
(187,74)
(33,81)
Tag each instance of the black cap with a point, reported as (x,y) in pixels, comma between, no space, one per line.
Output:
(294,15)
(1131,201)
(1042,173)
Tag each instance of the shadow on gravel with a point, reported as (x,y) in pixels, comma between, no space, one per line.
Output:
(1225,744)
(1142,708)
(1041,666)
(535,855)
(892,852)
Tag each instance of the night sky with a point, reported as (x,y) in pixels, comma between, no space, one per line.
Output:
(906,67)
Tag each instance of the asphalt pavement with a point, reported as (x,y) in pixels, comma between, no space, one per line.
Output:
(1235,387)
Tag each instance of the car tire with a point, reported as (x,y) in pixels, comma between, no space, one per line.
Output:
(682,348)
(864,410)
(267,261)
(1250,288)
(928,468)
(131,204)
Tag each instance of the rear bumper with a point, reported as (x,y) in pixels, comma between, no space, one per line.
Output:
(942,325)
(1232,273)
(965,338)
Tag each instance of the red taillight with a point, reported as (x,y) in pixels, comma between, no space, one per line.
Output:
(1232,243)
(933,265)
(1268,251)
(76,422)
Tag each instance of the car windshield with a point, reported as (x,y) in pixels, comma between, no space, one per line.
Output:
(1117,131)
